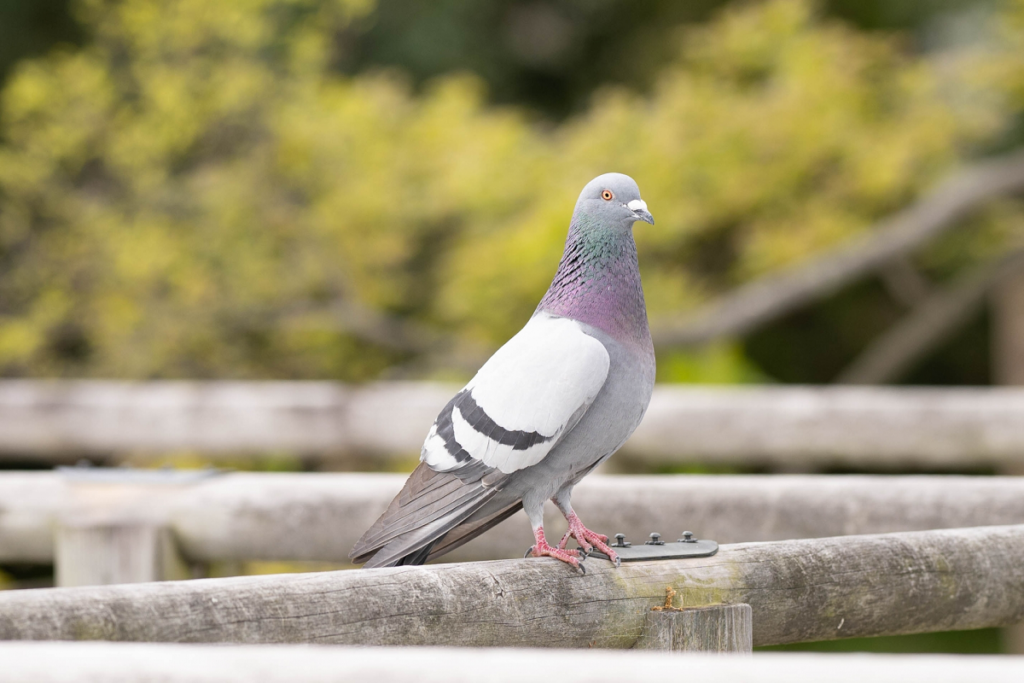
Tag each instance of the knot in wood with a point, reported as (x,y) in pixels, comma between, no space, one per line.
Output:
(667,607)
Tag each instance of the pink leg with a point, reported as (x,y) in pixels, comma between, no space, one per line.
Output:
(542,549)
(587,539)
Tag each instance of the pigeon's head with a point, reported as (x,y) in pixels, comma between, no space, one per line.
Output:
(613,199)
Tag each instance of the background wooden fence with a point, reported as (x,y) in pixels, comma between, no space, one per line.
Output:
(74,516)
(808,427)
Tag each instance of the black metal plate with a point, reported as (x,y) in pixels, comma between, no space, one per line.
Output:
(665,551)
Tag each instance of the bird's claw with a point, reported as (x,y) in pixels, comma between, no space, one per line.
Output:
(570,557)
(588,540)
(584,549)
(529,551)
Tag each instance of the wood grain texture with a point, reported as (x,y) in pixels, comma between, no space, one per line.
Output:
(720,629)
(788,426)
(162,663)
(318,517)
(799,591)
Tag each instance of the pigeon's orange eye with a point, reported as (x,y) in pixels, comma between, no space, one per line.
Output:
(607,195)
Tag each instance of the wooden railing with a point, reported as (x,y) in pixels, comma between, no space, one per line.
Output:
(798,591)
(113,516)
(784,426)
(942,562)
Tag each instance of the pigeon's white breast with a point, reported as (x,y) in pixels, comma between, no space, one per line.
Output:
(542,380)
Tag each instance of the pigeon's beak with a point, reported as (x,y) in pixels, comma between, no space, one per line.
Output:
(639,209)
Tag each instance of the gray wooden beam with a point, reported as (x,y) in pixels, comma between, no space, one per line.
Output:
(783,426)
(163,663)
(318,517)
(820,589)
(808,427)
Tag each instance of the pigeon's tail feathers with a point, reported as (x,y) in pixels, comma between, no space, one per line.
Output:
(412,547)
(429,506)
(397,554)
(418,557)
(476,524)
(463,532)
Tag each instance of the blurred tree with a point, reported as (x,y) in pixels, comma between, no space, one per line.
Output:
(549,55)
(198,192)
(33,28)
(178,193)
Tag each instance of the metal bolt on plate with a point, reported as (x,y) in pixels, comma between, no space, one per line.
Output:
(655,539)
(621,542)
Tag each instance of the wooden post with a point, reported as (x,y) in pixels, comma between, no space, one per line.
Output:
(719,628)
(1008,330)
(101,553)
(1008,369)
(115,528)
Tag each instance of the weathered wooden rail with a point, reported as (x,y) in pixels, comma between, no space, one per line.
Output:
(164,663)
(788,426)
(803,590)
(100,519)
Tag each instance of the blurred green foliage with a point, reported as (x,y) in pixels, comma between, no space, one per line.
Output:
(548,55)
(199,192)
(30,29)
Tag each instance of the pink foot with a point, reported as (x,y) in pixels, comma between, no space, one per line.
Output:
(587,539)
(543,549)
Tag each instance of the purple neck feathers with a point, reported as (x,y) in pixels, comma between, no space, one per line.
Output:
(598,283)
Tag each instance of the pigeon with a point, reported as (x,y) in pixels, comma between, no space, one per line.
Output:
(557,400)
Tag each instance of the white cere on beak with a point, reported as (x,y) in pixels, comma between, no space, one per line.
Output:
(637,205)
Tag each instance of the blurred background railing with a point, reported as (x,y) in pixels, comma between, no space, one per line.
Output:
(381,426)
(79,519)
